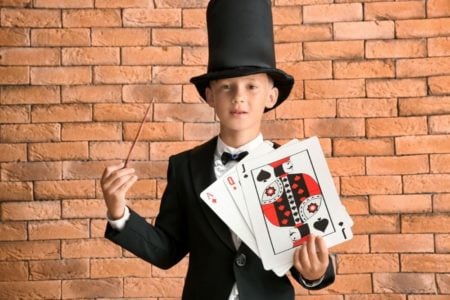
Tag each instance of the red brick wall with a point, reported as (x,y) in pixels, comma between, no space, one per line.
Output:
(372,81)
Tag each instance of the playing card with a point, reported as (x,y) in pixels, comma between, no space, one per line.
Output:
(290,194)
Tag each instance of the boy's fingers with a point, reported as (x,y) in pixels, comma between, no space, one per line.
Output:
(297,263)
(116,186)
(322,250)
(311,248)
(126,186)
(108,170)
(115,175)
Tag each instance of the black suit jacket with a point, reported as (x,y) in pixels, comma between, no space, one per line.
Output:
(185,224)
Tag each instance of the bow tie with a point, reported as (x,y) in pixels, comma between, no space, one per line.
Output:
(226,157)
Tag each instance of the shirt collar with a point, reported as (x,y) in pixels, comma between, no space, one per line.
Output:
(253,144)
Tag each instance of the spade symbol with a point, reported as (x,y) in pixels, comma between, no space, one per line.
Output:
(263,176)
(321,224)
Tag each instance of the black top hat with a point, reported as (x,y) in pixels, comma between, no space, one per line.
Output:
(240,40)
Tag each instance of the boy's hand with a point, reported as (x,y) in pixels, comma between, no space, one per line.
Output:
(311,260)
(115,183)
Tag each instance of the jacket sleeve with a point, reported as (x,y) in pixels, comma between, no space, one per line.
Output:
(327,279)
(163,244)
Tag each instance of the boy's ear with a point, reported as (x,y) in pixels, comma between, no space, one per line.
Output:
(273,97)
(209,96)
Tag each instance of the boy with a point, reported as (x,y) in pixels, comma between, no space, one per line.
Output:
(241,84)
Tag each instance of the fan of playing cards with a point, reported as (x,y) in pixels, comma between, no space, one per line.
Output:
(275,198)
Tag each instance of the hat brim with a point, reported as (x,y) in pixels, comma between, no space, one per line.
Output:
(282,81)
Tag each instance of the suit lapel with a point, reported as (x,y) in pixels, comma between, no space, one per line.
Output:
(202,174)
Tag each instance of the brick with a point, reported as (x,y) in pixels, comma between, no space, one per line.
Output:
(64,3)
(428,297)
(394,10)
(282,129)
(155,287)
(114,150)
(408,283)
(122,4)
(16,191)
(12,231)
(333,50)
(14,114)
(443,282)
(61,113)
(332,13)
(157,131)
(30,133)
(23,17)
(423,144)
(422,28)
(421,67)
(61,229)
(83,169)
(97,131)
(358,244)
(194,56)
(120,36)
(122,74)
(382,127)
(363,107)
(368,30)
(424,106)
(438,8)
(284,15)
(367,263)
(302,33)
(376,296)
(29,250)
(29,171)
(439,124)
(30,290)
(87,248)
(29,56)
(363,69)
(161,93)
(184,113)
(369,185)
(334,127)
(64,189)
(16,3)
(439,46)
(58,151)
(190,94)
(175,74)
(59,269)
(432,263)
(396,87)
(14,36)
(434,183)
(437,223)
(98,227)
(309,69)
(348,284)
(91,56)
(13,152)
(365,147)
(136,17)
(120,267)
(181,3)
(179,37)
(357,205)
(143,188)
(375,224)
(399,243)
(318,89)
(195,18)
(441,203)
(346,166)
(91,94)
(151,56)
(60,37)
(396,48)
(442,242)
(42,210)
(14,75)
(92,288)
(29,94)
(13,271)
(83,208)
(306,109)
(60,75)
(439,85)
(381,204)
(121,112)
(439,163)
(288,52)
(163,150)
(91,18)
(199,131)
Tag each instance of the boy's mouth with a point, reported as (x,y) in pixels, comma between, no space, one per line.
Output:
(238,112)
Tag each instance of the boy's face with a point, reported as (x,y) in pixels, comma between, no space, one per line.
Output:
(239,102)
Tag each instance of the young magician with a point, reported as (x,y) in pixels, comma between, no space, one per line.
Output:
(241,84)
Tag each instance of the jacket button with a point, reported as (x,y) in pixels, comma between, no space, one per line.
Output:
(240,260)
